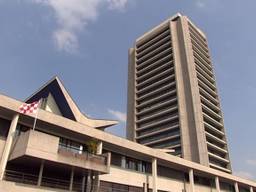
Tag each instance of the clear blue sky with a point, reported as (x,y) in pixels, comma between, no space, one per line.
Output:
(85,43)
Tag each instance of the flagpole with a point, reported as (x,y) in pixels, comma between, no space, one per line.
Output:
(39,105)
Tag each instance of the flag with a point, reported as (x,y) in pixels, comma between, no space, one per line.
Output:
(27,108)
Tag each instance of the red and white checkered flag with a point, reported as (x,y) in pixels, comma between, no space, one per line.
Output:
(27,108)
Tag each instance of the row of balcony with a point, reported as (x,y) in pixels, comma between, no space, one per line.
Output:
(203,62)
(154,78)
(219,167)
(199,45)
(174,118)
(201,71)
(154,85)
(199,62)
(157,92)
(162,139)
(32,179)
(167,95)
(208,102)
(152,110)
(201,54)
(165,114)
(153,52)
(154,68)
(170,143)
(158,135)
(207,89)
(40,145)
(146,42)
(162,115)
(155,58)
(197,34)
(158,131)
(166,38)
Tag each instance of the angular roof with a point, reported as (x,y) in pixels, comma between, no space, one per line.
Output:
(66,104)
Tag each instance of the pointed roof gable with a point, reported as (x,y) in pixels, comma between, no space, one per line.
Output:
(66,105)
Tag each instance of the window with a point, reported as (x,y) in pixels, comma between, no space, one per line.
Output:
(21,128)
(115,187)
(134,164)
(72,146)
(4,127)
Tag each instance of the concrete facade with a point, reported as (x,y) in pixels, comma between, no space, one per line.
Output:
(173,101)
(36,160)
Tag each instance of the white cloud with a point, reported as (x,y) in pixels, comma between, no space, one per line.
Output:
(117,4)
(244,174)
(65,40)
(73,16)
(119,115)
(201,3)
(251,162)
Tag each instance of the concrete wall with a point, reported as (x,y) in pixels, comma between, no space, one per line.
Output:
(134,178)
(45,146)
(19,145)
(51,105)
(129,177)
(204,188)
(130,127)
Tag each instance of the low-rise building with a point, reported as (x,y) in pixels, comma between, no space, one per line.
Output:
(68,151)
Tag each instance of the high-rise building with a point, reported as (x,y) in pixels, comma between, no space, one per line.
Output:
(173,101)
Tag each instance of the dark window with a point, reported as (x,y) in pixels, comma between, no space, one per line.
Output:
(116,159)
(203,181)
(21,128)
(227,187)
(170,173)
(4,127)
(115,187)
(129,163)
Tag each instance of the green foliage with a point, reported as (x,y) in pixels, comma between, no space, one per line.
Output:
(92,146)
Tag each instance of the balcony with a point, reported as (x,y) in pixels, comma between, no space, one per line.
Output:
(153,46)
(147,43)
(48,183)
(34,144)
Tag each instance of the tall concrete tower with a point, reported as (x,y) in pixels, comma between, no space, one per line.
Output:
(173,101)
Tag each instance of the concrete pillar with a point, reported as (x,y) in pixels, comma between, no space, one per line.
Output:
(40,176)
(83,183)
(154,174)
(217,184)
(191,180)
(96,183)
(251,189)
(236,187)
(108,161)
(8,145)
(123,161)
(71,179)
(89,181)
(145,187)
(99,148)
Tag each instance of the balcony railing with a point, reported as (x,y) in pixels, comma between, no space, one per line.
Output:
(30,179)
(84,155)
(21,177)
